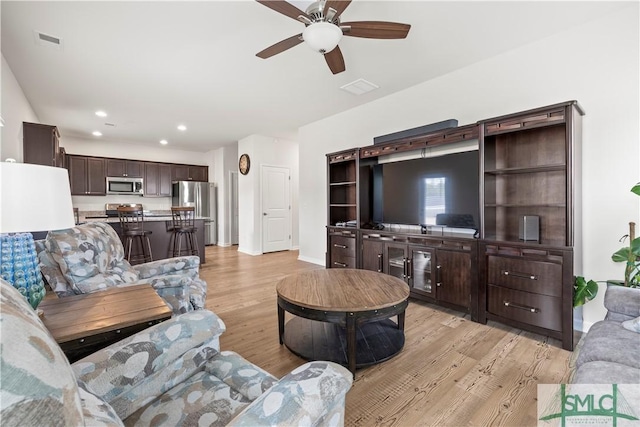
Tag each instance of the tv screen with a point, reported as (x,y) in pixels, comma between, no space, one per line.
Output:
(437,190)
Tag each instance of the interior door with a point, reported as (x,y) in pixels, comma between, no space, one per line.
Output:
(276,209)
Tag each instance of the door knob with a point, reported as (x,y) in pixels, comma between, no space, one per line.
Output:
(264,214)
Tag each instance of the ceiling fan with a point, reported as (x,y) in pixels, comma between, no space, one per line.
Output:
(323,29)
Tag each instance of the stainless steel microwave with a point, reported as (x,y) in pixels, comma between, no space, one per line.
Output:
(118,185)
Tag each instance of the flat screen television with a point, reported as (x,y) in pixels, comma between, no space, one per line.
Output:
(439,190)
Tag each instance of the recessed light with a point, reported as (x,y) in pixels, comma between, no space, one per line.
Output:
(182,127)
(101,113)
(96,133)
(164,142)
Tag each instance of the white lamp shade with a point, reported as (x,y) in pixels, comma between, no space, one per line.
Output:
(34,198)
(322,37)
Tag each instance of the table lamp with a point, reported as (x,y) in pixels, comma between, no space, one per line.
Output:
(32,198)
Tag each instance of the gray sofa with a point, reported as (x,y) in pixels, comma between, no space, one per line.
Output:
(610,352)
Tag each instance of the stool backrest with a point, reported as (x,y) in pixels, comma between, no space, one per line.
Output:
(131,218)
(183,216)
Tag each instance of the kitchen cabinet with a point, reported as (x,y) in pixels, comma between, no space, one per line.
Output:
(125,168)
(87,175)
(157,180)
(189,173)
(41,145)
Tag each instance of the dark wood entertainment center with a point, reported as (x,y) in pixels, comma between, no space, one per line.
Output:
(529,166)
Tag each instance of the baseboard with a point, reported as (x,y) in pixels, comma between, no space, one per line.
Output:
(295,248)
(311,260)
(248,252)
(224,245)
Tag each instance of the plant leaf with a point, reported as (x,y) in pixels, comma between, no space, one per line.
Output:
(622,255)
(583,291)
(636,189)
(635,246)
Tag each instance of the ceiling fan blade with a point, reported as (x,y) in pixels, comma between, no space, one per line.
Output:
(376,29)
(284,8)
(338,5)
(335,60)
(281,46)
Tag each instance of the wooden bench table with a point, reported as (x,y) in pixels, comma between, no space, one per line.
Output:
(83,324)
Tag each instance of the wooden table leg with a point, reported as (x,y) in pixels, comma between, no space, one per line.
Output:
(280,324)
(351,343)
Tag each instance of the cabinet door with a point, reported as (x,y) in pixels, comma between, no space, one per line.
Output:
(420,268)
(372,255)
(180,172)
(164,180)
(134,169)
(151,184)
(96,176)
(40,144)
(116,167)
(396,260)
(454,277)
(78,175)
(199,173)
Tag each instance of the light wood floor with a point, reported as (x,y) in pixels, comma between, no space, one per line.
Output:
(451,371)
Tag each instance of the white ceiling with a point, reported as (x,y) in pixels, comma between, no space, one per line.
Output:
(153,65)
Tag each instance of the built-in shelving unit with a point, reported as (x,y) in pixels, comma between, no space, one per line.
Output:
(529,167)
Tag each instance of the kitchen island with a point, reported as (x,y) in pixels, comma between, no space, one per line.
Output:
(161,228)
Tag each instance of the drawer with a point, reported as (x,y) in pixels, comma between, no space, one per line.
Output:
(343,246)
(339,261)
(526,275)
(533,309)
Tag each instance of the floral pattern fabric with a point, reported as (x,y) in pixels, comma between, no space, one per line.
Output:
(90,258)
(172,374)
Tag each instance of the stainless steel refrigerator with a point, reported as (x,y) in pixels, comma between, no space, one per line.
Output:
(202,196)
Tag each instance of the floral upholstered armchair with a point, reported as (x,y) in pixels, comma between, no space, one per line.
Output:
(172,374)
(90,258)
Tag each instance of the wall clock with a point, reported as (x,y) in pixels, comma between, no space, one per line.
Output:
(244,164)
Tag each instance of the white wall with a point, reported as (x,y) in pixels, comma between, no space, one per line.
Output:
(267,151)
(596,64)
(225,160)
(14,109)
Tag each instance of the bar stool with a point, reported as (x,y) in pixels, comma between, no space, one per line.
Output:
(132,224)
(184,229)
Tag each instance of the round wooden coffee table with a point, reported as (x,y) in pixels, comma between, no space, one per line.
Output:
(343,315)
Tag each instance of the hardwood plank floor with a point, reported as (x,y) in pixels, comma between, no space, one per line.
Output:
(451,371)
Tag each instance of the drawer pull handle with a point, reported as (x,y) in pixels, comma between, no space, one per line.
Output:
(339,264)
(520,275)
(521,307)
(335,245)
(379,263)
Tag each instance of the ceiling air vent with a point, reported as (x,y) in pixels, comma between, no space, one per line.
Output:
(47,40)
(360,86)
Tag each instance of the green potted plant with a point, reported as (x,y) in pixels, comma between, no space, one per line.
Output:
(630,255)
(583,290)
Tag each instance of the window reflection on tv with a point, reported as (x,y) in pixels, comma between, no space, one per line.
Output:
(437,190)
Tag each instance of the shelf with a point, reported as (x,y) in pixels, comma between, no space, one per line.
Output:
(527,169)
(342,183)
(342,205)
(532,205)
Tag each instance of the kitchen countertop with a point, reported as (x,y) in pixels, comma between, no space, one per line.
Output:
(149,218)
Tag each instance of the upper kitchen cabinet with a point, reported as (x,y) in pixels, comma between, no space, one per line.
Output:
(157,180)
(41,144)
(87,175)
(189,173)
(125,168)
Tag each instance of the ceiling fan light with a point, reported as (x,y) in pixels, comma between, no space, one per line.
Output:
(322,37)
